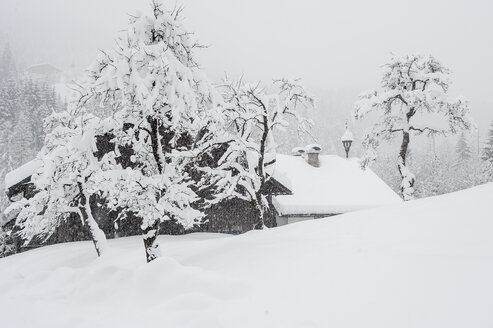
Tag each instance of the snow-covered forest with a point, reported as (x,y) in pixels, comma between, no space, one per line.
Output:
(25,102)
(146,177)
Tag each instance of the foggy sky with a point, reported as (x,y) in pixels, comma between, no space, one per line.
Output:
(329,44)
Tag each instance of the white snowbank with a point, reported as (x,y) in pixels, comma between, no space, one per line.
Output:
(424,263)
(21,173)
(339,185)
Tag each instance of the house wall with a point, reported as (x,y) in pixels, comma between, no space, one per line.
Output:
(295,219)
(281,220)
(284,219)
(233,216)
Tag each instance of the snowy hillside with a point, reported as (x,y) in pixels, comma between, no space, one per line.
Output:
(426,263)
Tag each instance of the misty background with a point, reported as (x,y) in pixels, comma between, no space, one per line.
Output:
(336,48)
(330,45)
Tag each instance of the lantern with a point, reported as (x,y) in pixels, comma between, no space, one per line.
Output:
(347,140)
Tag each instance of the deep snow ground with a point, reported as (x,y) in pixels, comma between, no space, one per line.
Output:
(426,263)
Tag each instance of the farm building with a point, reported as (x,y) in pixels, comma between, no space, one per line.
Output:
(325,185)
(232,216)
(47,72)
(302,186)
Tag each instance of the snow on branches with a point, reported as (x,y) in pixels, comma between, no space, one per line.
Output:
(254,112)
(6,244)
(166,111)
(412,100)
(63,180)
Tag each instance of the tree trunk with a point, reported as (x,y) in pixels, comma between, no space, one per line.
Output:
(151,231)
(259,212)
(97,235)
(156,144)
(259,207)
(408,179)
(150,243)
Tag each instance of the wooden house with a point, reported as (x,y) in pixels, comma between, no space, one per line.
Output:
(325,185)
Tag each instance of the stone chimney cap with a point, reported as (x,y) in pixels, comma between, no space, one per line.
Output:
(298,151)
(313,149)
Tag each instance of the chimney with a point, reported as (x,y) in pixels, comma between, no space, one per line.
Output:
(312,151)
(298,151)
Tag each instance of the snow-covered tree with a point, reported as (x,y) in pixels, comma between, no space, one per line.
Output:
(488,147)
(38,133)
(43,101)
(255,112)
(22,147)
(432,170)
(63,180)
(8,70)
(412,100)
(10,104)
(165,110)
(6,245)
(463,148)
(24,104)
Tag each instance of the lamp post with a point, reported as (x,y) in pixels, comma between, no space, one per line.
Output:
(347,140)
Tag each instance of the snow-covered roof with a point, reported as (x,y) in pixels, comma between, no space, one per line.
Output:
(298,151)
(313,148)
(339,185)
(21,173)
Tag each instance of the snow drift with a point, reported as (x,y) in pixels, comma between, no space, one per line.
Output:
(425,263)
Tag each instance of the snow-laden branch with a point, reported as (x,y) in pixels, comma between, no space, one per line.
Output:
(254,112)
